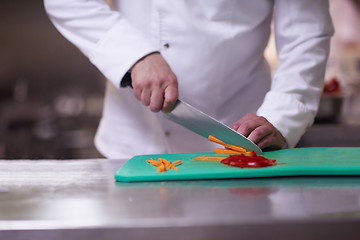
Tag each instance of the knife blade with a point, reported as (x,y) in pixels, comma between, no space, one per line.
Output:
(204,125)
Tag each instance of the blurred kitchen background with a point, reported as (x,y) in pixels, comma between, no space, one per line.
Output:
(51,96)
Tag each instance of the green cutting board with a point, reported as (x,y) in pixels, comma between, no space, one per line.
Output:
(298,162)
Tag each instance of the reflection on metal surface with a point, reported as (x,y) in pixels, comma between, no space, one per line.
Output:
(50,173)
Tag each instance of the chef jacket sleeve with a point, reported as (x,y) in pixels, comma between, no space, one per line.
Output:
(110,42)
(302,33)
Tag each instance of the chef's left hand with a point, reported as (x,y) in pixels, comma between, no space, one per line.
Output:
(260,131)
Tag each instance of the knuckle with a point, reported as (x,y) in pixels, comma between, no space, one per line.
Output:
(262,119)
(157,83)
(270,127)
(259,133)
(257,137)
(146,84)
(140,84)
(172,80)
(245,127)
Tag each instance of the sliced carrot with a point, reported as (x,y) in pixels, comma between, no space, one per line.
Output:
(163,165)
(236,148)
(207,158)
(176,162)
(227,151)
(167,165)
(172,166)
(229,146)
(216,140)
(154,163)
(161,168)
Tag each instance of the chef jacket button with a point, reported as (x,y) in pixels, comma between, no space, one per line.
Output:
(166,45)
(167,133)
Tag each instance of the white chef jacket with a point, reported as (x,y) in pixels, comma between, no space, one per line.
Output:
(215,48)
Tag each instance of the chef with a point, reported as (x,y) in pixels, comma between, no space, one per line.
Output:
(209,54)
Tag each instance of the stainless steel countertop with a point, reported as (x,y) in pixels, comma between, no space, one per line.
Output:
(79,199)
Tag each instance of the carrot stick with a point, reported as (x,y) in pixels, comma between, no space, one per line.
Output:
(216,140)
(162,164)
(205,158)
(232,147)
(176,162)
(161,168)
(236,148)
(167,165)
(154,163)
(172,166)
(227,151)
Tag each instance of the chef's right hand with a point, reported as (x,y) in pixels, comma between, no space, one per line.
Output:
(154,83)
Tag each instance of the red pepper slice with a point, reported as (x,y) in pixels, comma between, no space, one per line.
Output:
(250,161)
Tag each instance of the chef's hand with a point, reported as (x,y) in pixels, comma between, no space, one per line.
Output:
(154,83)
(260,131)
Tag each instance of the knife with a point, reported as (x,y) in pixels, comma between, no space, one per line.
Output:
(203,124)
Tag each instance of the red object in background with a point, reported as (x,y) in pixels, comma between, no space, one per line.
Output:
(251,161)
(332,86)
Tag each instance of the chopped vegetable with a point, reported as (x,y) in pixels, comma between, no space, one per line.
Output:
(228,151)
(215,140)
(250,161)
(207,158)
(228,146)
(163,165)
(237,156)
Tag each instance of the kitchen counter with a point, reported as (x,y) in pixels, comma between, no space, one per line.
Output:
(78,199)
(331,135)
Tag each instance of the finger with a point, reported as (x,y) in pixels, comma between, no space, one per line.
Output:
(272,141)
(171,95)
(137,89)
(235,126)
(268,143)
(248,126)
(145,97)
(260,133)
(137,92)
(156,100)
(265,142)
(242,120)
